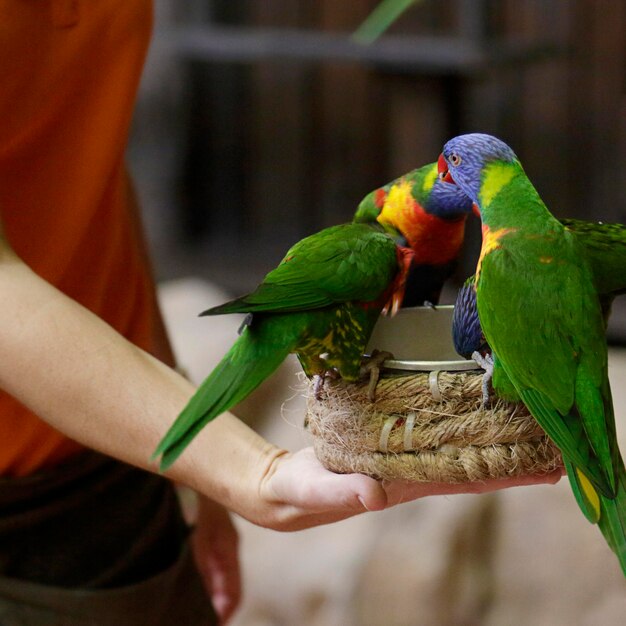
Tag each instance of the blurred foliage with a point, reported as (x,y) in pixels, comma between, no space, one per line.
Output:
(380,19)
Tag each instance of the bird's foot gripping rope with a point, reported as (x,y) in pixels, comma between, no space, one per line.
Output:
(486,362)
(371,367)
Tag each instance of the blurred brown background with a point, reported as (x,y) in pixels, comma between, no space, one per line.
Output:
(260,122)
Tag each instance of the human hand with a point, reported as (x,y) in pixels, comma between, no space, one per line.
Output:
(305,494)
(215,548)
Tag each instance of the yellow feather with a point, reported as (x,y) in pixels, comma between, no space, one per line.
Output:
(495,176)
(491,242)
(398,204)
(430,178)
(590,493)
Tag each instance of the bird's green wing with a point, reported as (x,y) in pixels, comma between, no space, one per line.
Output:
(603,246)
(351,262)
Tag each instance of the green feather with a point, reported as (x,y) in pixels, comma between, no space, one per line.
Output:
(604,249)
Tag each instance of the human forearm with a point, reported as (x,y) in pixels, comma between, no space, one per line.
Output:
(82,377)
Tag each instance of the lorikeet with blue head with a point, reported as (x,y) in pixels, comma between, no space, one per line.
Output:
(321,302)
(429,214)
(543,319)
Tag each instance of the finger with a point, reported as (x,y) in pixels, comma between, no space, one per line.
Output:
(225,588)
(404,491)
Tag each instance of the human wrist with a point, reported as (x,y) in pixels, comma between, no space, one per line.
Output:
(230,463)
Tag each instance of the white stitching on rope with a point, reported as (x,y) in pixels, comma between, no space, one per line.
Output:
(408,431)
(383,442)
(433,381)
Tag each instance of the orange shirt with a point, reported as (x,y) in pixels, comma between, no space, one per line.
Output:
(70,70)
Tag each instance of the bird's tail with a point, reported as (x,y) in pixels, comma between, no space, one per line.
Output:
(612,521)
(608,513)
(246,365)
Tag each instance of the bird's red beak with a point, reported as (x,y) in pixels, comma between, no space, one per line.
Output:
(444,173)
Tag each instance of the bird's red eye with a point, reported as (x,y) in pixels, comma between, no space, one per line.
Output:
(454,159)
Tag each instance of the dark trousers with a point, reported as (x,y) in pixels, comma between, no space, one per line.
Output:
(98,542)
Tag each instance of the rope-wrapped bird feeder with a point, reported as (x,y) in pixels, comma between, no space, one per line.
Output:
(427,422)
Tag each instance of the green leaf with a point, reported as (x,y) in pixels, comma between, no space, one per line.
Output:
(380,19)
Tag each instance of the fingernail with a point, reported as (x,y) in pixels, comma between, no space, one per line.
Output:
(362,503)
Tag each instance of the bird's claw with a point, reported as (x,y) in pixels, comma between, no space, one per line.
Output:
(318,386)
(320,379)
(486,362)
(247,321)
(371,366)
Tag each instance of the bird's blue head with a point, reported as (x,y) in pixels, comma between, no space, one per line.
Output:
(447,201)
(464,158)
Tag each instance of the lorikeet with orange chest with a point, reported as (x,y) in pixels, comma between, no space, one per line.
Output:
(542,317)
(321,302)
(430,215)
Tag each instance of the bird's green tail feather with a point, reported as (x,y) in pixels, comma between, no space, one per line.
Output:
(247,364)
(613,519)
(608,513)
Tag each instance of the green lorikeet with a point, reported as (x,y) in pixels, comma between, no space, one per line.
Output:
(321,302)
(430,215)
(542,316)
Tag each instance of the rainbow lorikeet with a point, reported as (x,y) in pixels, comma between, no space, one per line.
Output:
(430,215)
(542,316)
(321,302)
(603,247)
